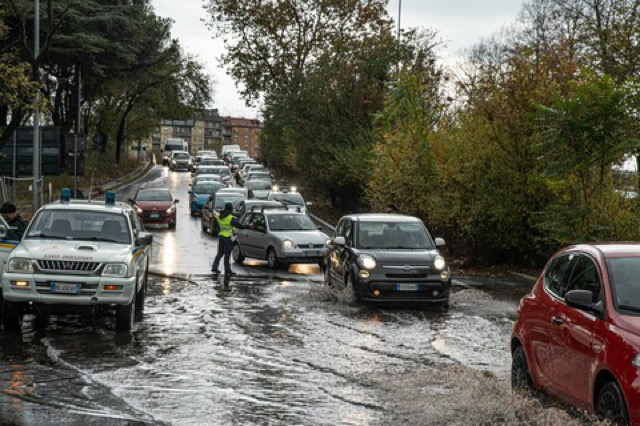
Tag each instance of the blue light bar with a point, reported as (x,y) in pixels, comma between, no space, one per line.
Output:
(110,198)
(65,195)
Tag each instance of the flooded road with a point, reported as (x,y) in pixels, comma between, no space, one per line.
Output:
(274,349)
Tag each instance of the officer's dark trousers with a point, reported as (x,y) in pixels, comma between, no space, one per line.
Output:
(225,245)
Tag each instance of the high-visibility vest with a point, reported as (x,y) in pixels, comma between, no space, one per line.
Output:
(225,226)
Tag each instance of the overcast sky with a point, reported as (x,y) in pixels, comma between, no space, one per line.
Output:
(461,24)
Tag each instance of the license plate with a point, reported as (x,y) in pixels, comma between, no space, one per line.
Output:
(407,287)
(312,253)
(154,215)
(65,288)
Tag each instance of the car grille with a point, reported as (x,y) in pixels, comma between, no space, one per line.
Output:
(64,265)
(311,246)
(401,276)
(148,215)
(86,290)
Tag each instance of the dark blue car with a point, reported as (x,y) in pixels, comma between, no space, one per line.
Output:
(200,194)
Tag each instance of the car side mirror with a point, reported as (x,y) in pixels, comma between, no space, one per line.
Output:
(583,300)
(176,201)
(339,241)
(440,242)
(131,201)
(319,228)
(190,192)
(144,239)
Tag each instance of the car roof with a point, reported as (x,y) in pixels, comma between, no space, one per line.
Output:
(609,249)
(88,205)
(153,189)
(382,217)
(284,210)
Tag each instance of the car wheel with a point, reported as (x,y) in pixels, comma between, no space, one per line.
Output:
(41,321)
(125,315)
(328,282)
(610,404)
(237,255)
(351,297)
(172,226)
(272,258)
(11,317)
(140,297)
(520,377)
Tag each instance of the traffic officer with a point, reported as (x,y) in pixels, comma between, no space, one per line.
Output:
(226,224)
(17,224)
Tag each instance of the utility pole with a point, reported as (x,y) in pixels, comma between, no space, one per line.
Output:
(77,131)
(36,114)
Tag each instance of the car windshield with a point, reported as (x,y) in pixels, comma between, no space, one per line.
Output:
(153,196)
(172,147)
(292,198)
(181,155)
(625,283)
(80,225)
(393,235)
(220,170)
(206,187)
(258,185)
(206,170)
(234,199)
(291,222)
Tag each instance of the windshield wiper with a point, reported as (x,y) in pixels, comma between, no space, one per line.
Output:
(635,309)
(50,237)
(106,240)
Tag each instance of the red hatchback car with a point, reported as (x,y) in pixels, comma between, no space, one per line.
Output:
(577,334)
(155,206)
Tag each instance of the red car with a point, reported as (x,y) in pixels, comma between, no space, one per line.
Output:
(155,206)
(577,334)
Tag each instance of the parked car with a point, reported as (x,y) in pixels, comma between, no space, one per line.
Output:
(78,256)
(200,194)
(259,189)
(293,200)
(180,160)
(155,206)
(577,333)
(280,236)
(386,258)
(216,204)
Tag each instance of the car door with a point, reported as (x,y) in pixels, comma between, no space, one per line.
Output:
(539,319)
(260,236)
(341,253)
(573,334)
(139,252)
(242,235)
(8,242)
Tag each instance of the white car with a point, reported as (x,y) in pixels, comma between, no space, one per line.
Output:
(78,255)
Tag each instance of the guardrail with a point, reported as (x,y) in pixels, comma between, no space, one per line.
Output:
(327,227)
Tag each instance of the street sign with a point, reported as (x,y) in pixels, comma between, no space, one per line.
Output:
(50,152)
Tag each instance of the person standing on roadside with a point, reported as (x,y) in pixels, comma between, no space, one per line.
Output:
(17,224)
(392,209)
(226,224)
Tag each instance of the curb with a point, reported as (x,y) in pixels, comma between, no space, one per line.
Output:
(123,181)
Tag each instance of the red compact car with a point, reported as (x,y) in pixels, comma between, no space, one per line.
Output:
(155,206)
(577,334)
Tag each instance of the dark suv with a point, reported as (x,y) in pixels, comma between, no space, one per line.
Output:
(387,258)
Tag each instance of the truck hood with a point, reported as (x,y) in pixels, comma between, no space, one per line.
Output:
(89,251)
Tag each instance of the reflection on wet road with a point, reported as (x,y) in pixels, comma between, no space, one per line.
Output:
(274,349)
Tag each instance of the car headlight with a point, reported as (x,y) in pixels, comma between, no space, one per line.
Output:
(115,270)
(20,265)
(138,209)
(275,188)
(439,263)
(294,189)
(288,244)
(366,262)
(171,209)
(636,361)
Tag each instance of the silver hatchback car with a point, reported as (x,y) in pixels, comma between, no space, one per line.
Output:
(280,236)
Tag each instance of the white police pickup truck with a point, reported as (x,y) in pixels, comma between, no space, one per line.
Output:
(78,255)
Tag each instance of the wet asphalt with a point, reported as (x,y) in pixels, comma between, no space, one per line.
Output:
(273,349)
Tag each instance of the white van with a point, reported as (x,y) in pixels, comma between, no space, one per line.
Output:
(171,145)
(229,148)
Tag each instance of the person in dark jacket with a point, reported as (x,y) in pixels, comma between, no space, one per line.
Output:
(17,224)
(226,224)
